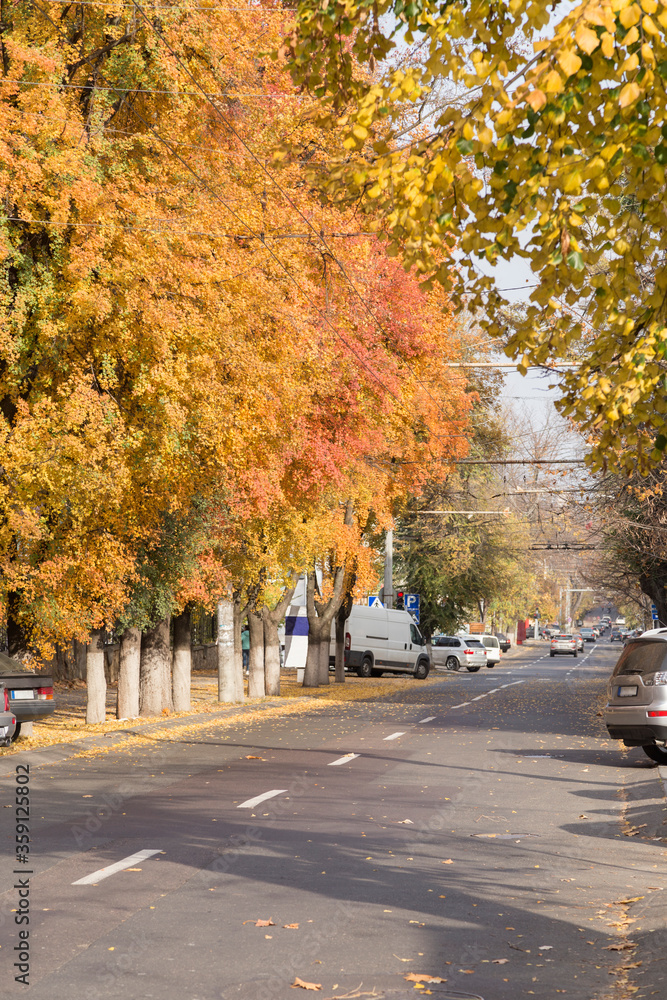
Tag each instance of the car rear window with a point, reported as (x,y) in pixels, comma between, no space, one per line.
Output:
(562,635)
(8,665)
(475,643)
(642,657)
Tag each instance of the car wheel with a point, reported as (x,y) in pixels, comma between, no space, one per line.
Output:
(472,670)
(421,671)
(451,663)
(489,665)
(366,669)
(658,754)
(575,654)
(552,654)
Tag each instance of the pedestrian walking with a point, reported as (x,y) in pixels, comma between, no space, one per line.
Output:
(245,648)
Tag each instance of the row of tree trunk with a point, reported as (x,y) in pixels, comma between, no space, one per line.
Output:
(152,677)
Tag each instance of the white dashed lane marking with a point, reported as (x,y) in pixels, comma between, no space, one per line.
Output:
(394,736)
(343,760)
(251,803)
(429,718)
(119,866)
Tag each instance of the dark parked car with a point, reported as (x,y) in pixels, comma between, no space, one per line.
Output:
(30,693)
(503,640)
(587,634)
(616,635)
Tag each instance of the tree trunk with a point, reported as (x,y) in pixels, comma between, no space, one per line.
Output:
(256,662)
(271,619)
(239,615)
(155,679)
(342,615)
(96,694)
(320,617)
(127,704)
(16,640)
(271,654)
(325,653)
(79,653)
(227,680)
(182,662)
(311,676)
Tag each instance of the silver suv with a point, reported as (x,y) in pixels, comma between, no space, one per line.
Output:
(456,651)
(636,711)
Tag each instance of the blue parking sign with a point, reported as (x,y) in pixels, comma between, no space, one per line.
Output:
(411,604)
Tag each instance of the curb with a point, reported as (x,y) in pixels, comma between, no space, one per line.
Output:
(63,751)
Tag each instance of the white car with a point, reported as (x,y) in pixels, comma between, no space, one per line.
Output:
(455,651)
(492,646)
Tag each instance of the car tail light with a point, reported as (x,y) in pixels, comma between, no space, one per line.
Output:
(6,699)
(659,678)
(468,651)
(45,694)
(348,641)
(656,715)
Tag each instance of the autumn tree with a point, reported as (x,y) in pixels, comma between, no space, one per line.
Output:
(524,130)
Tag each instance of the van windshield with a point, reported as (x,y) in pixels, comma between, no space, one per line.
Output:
(415,636)
(642,657)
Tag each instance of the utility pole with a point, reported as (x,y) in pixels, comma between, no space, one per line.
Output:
(389,569)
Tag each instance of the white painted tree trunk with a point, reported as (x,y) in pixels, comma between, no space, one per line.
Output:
(182,662)
(155,671)
(271,656)
(127,705)
(256,659)
(227,679)
(96,685)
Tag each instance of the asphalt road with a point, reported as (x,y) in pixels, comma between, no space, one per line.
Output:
(486,832)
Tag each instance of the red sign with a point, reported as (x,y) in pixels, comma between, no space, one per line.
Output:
(521,631)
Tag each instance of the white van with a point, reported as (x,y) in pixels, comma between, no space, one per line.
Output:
(492,646)
(379,640)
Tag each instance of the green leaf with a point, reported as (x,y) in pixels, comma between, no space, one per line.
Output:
(464,146)
(661,153)
(575,260)
(660,442)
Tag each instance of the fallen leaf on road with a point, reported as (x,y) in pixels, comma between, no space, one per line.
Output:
(252,756)
(406,821)
(622,946)
(304,985)
(260,923)
(545,947)
(133,869)
(419,924)
(86,796)
(421,977)
(291,927)
(624,902)
(499,961)
(403,959)
(448,862)
(467,972)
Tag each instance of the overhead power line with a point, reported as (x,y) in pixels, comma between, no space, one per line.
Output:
(182,232)
(519,461)
(142,90)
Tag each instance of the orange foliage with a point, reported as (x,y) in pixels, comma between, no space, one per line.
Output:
(164,343)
